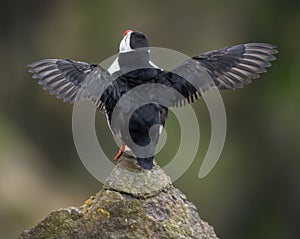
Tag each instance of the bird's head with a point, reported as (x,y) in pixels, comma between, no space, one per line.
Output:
(133,41)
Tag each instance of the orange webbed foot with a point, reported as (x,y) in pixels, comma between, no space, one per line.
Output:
(121,151)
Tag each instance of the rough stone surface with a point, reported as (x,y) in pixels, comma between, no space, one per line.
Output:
(133,203)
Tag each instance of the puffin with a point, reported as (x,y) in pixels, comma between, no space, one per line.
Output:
(137,94)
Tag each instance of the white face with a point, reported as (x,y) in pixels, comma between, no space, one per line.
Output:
(125,43)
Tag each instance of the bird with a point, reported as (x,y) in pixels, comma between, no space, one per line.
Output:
(139,126)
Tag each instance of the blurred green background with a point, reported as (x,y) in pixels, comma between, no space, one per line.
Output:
(254,190)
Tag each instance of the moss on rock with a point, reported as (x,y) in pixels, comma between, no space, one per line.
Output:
(133,203)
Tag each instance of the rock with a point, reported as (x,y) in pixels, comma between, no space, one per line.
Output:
(133,203)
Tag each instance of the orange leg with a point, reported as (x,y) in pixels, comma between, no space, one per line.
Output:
(121,151)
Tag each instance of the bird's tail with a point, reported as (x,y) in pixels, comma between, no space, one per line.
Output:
(146,163)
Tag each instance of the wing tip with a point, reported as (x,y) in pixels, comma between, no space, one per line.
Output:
(42,61)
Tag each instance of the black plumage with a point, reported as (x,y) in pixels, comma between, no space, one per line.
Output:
(227,68)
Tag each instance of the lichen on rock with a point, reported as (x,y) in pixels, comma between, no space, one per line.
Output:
(133,203)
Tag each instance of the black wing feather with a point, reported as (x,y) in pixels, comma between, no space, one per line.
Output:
(72,80)
(233,67)
(227,68)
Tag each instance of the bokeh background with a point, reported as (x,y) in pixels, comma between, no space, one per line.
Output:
(254,190)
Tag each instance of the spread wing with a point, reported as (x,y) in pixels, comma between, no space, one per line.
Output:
(72,80)
(227,68)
